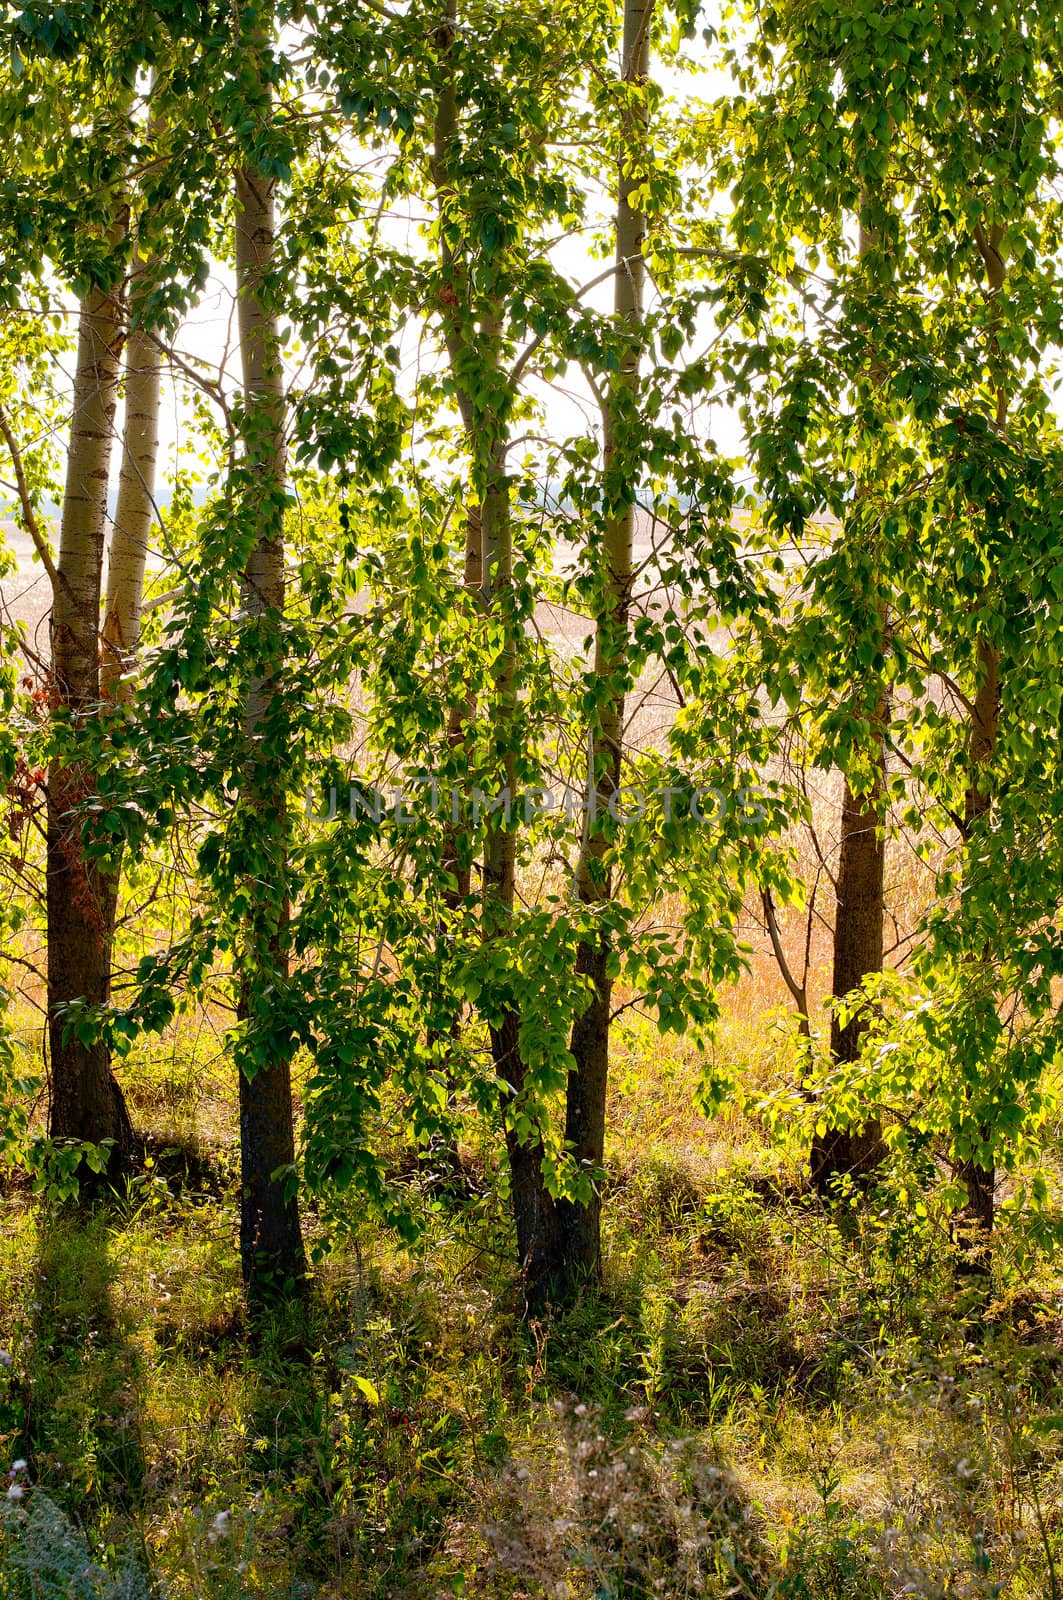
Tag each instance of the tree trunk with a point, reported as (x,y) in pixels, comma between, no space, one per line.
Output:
(980,1181)
(127,554)
(86,1101)
(474,342)
(135,510)
(461,716)
(589,1043)
(855,1152)
(534,1209)
(445,1156)
(271,1246)
(444,134)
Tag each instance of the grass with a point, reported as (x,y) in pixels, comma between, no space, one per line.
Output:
(763,1401)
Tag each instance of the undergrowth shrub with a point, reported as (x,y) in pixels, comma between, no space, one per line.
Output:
(575,1511)
(44,1556)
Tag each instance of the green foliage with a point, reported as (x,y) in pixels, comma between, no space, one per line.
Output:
(59,1165)
(853,251)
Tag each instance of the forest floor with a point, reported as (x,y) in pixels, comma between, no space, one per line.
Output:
(764,1400)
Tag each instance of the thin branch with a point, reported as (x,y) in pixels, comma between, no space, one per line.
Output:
(20,961)
(213,391)
(797,990)
(382,11)
(953,816)
(809,922)
(29,516)
(160,600)
(520,365)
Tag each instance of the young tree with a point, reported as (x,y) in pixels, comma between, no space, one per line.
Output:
(622,454)
(980,1179)
(478,347)
(484,130)
(271,1246)
(957,138)
(87,242)
(87,1103)
(860,894)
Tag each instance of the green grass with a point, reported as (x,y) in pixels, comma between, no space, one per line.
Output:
(763,1401)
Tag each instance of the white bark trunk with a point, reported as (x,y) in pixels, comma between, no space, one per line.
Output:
(128,552)
(86,1101)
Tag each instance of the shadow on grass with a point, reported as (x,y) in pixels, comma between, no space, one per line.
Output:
(405,1427)
(81,1424)
(146,1410)
(695,1310)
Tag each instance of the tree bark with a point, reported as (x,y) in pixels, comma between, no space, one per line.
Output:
(979,1180)
(444,1153)
(859,908)
(585,1104)
(489,563)
(462,715)
(854,1153)
(128,551)
(86,1100)
(535,1211)
(271,1246)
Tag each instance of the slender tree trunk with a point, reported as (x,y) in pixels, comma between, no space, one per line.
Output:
(589,1043)
(86,1103)
(472,342)
(445,1155)
(126,557)
(462,715)
(128,551)
(858,917)
(271,1246)
(534,1209)
(859,910)
(980,1181)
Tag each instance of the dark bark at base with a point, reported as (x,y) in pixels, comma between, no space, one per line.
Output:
(535,1212)
(854,1153)
(271,1244)
(87,1102)
(845,1155)
(585,1124)
(973,1230)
